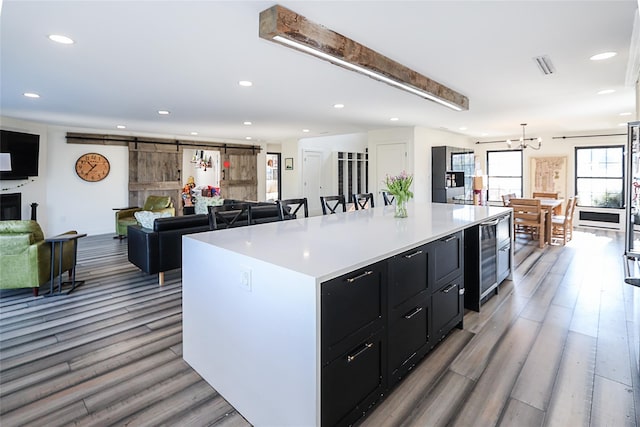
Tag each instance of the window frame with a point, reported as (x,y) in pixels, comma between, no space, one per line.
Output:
(621,178)
(489,176)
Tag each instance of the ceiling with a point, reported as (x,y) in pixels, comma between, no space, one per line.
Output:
(131,59)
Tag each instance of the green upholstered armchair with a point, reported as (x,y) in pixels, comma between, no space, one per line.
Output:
(25,258)
(125,217)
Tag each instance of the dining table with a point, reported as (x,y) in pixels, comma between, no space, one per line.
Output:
(549,205)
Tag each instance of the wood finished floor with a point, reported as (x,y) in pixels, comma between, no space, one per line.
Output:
(552,348)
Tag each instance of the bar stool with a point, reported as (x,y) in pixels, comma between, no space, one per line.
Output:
(227,216)
(388,198)
(288,208)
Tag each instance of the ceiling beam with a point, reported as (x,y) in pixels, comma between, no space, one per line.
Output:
(281,25)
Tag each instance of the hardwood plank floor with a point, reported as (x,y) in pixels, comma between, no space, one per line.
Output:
(554,347)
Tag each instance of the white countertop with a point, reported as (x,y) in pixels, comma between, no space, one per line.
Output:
(327,246)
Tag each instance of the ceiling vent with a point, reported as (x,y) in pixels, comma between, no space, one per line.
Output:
(545,65)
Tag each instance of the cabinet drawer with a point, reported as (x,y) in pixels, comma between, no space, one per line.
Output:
(408,275)
(408,336)
(352,306)
(353,382)
(504,261)
(447,308)
(447,257)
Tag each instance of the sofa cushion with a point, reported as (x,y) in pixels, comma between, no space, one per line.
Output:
(181,222)
(18,226)
(202,203)
(146,218)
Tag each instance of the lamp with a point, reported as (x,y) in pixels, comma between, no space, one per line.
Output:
(5,162)
(523,141)
(281,25)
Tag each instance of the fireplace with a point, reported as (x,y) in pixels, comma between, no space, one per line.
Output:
(10,206)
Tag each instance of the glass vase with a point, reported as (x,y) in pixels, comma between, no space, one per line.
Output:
(401,208)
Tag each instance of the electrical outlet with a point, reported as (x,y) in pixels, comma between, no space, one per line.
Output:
(245,278)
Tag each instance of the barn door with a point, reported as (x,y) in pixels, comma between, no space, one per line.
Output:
(154,169)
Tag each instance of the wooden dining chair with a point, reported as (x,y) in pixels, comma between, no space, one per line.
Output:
(363,201)
(507,197)
(548,195)
(562,225)
(528,215)
(288,208)
(330,204)
(388,198)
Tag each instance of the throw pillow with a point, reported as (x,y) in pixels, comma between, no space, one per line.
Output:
(146,218)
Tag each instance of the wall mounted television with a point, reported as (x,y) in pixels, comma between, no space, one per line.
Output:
(24,149)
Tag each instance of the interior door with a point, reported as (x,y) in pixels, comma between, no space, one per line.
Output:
(391,159)
(312,180)
(273,180)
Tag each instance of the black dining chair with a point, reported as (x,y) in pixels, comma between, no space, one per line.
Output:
(330,204)
(288,208)
(388,198)
(363,201)
(228,216)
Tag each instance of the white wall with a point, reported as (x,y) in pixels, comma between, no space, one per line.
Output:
(65,201)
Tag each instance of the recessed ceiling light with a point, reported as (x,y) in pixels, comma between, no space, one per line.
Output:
(31,95)
(338,105)
(305,130)
(121,127)
(625,114)
(247,137)
(462,128)
(163,112)
(394,119)
(58,38)
(622,124)
(484,134)
(245,83)
(603,55)
(606,91)
(193,133)
(247,123)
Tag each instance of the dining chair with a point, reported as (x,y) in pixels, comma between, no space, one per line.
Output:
(529,213)
(388,198)
(363,201)
(228,216)
(330,204)
(288,208)
(507,197)
(548,195)
(562,225)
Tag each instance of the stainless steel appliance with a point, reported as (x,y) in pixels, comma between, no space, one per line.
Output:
(487,259)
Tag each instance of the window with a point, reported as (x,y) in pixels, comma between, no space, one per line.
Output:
(504,173)
(465,162)
(600,176)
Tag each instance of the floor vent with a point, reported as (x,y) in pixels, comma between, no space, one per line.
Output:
(544,64)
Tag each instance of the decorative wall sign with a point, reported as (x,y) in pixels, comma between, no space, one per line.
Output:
(549,174)
(288,163)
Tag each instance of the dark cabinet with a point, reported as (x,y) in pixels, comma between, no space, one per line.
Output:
(352,306)
(447,308)
(353,348)
(409,310)
(448,258)
(353,382)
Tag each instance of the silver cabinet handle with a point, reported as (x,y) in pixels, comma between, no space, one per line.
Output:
(359,276)
(450,238)
(409,256)
(413,313)
(449,288)
(351,357)
(495,222)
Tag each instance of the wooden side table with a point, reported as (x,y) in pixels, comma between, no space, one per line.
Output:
(59,241)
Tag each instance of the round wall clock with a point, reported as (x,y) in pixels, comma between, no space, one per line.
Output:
(92,167)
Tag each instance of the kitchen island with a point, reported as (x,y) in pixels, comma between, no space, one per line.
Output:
(310,321)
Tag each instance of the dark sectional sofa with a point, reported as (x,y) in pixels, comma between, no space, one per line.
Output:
(159,250)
